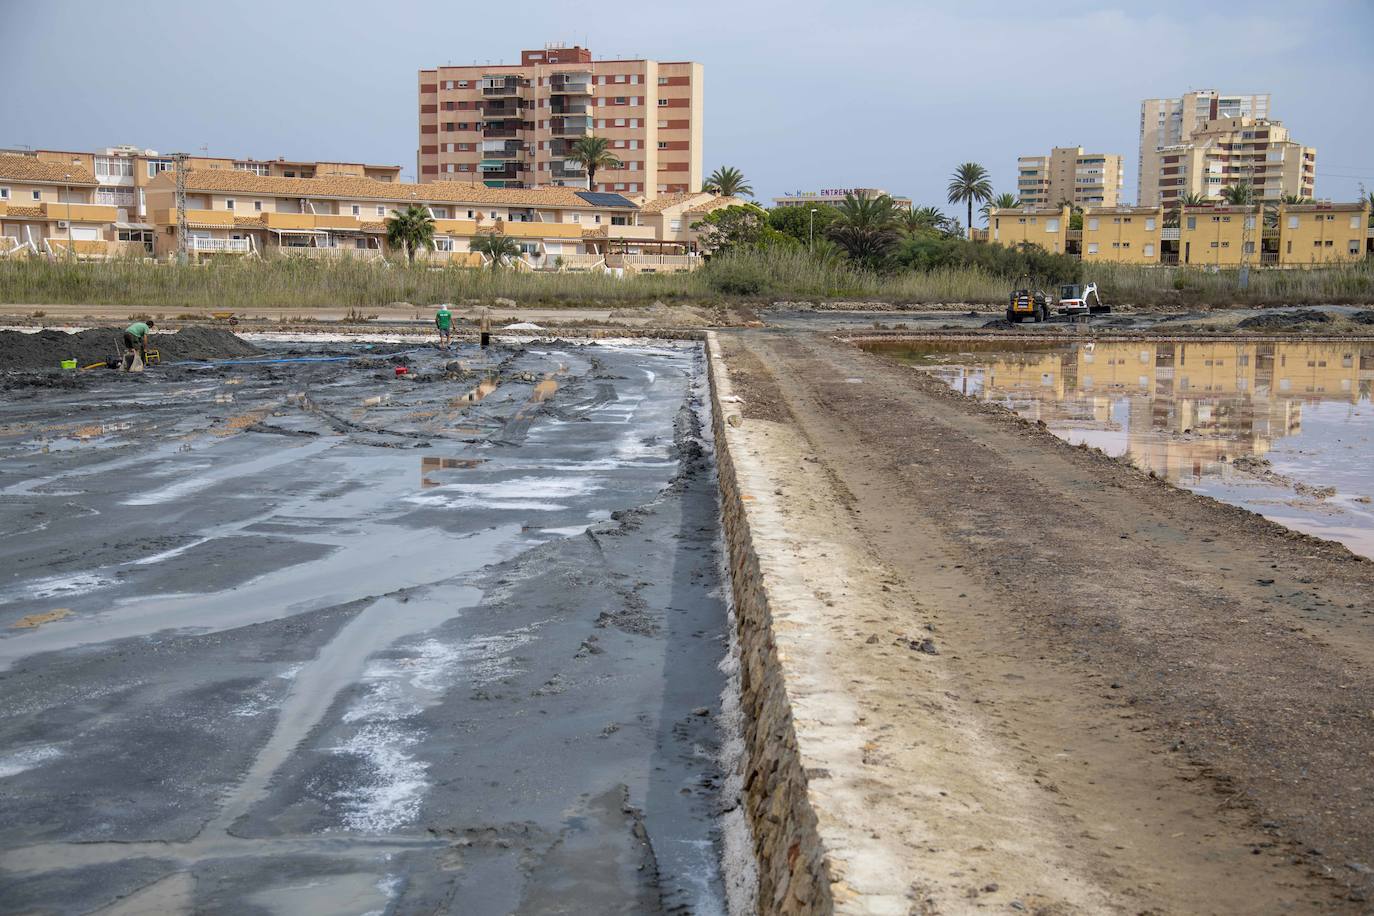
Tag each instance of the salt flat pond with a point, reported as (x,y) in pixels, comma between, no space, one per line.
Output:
(1285,429)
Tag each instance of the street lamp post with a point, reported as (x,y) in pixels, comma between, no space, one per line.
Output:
(811,230)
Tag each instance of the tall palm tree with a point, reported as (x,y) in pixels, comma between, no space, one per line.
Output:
(729,182)
(866,228)
(410,229)
(594,153)
(921,219)
(499,249)
(969,185)
(1191,199)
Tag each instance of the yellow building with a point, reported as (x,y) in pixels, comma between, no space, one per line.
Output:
(1218,236)
(1311,234)
(230,212)
(1047,227)
(1126,235)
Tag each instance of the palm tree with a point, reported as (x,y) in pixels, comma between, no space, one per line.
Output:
(497,248)
(594,153)
(411,229)
(866,227)
(921,219)
(1191,199)
(968,185)
(728,182)
(1003,201)
(1238,195)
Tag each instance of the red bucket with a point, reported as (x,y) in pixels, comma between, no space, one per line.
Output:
(401,370)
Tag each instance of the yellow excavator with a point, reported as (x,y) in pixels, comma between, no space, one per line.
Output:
(1027,300)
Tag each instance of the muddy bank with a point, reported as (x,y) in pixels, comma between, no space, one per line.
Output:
(46,349)
(1087,690)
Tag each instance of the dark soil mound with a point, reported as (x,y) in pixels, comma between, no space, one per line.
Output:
(1283,321)
(47,349)
(1365,317)
(999,324)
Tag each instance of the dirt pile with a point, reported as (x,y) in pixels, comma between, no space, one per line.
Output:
(1284,321)
(47,349)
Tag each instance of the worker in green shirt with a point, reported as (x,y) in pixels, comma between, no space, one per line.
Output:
(136,343)
(443,320)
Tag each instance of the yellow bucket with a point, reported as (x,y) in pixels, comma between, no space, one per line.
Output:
(68,364)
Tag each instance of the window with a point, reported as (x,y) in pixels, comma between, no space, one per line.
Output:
(1354,247)
(662,103)
(1092,224)
(37,195)
(621,100)
(1149,250)
(1051,225)
(663,144)
(257,168)
(158,166)
(357,210)
(439,212)
(1149,224)
(229,203)
(1292,222)
(1192,222)
(662,125)
(663,80)
(443,244)
(4,193)
(675,225)
(620,77)
(381,211)
(114,167)
(619,122)
(1354,222)
(1092,248)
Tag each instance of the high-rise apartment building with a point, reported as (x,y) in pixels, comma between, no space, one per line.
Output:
(1205,119)
(512,125)
(1232,151)
(1070,175)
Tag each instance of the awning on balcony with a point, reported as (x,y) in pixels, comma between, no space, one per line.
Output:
(138,226)
(300,231)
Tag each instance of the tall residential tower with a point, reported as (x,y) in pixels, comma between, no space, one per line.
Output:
(1204,141)
(1070,175)
(511,125)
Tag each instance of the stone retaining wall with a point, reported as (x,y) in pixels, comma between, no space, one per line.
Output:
(793,868)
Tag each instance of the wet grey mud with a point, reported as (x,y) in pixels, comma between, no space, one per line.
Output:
(315,638)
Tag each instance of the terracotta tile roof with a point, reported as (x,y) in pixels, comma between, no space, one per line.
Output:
(374,227)
(715,203)
(249,222)
(24,213)
(664,201)
(600,232)
(27,168)
(355,187)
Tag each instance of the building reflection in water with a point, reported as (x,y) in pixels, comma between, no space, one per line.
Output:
(1182,410)
(431,463)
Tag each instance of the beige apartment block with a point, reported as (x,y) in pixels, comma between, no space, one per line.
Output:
(1069,175)
(236,213)
(123,172)
(1047,227)
(512,125)
(1205,140)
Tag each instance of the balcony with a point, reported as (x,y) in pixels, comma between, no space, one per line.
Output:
(570,84)
(578,108)
(213,219)
(502,87)
(520,230)
(80,213)
(1169,234)
(199,245)
(507,150)
(332,253)
(571,127)
(497,110)
(501,129)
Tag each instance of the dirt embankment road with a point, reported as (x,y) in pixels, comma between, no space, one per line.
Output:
(1079,687)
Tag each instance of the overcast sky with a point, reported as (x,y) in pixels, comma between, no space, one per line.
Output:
(799,95)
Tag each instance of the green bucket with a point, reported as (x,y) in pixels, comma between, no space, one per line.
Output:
(68,364)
